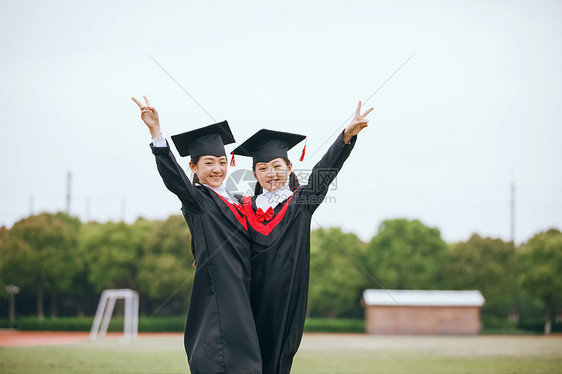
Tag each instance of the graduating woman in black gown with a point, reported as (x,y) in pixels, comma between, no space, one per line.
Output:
(220,334)
(279,220)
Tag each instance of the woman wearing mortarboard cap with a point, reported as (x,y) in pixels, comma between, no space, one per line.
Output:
(220,334)
(279,218)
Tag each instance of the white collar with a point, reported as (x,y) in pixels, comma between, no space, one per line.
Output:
(221,190)
(272,198)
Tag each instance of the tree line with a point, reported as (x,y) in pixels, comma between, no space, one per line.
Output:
(63,264)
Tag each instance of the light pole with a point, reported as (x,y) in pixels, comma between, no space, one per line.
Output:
(12,290)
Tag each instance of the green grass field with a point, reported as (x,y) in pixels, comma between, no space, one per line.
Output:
(319,353)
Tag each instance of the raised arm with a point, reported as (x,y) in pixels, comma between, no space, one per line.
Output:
(171,172)
(357,124)
(326,170)
(150,117)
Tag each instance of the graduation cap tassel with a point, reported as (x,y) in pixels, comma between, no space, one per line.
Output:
(303,150)
(232,162)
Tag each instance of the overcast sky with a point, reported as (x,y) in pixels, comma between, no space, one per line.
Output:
(479,104)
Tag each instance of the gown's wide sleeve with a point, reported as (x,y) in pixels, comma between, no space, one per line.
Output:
(176,181)
(325,171)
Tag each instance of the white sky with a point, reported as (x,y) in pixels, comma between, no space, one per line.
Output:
(477,106)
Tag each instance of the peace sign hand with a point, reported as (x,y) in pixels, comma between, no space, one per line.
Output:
(150,117)
(357,124)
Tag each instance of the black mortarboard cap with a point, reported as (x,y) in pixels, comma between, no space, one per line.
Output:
(208,140)
(266,145)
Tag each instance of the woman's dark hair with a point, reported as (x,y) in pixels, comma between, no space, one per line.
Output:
(195,180)
(293,180)
(195,160)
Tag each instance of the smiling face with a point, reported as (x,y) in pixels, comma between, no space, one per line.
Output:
(272,175)
(211,170)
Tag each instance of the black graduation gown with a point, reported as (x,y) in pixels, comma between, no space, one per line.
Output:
(220,334)
(281,261)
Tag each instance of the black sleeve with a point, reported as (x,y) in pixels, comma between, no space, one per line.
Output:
(325,171)
(176,181)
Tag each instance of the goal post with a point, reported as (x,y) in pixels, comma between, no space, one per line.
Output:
(105,310)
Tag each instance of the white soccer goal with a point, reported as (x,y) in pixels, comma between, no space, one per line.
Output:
(105,310)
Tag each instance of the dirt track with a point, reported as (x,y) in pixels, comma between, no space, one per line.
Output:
(14,338)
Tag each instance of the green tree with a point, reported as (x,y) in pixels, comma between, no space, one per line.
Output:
(487,265)
(3,293)
(541,267)
(40,252)
(406,255)
(335,281)
(165,267)
(3,231)
(111,252)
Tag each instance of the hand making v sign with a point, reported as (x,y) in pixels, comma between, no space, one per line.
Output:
(357,124)
(150,117)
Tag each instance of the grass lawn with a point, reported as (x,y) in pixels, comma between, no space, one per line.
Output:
(319,353)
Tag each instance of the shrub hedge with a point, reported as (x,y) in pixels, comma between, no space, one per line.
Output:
(163,324)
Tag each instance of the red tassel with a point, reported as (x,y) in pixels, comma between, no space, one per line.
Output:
(232,162)
(303,149)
